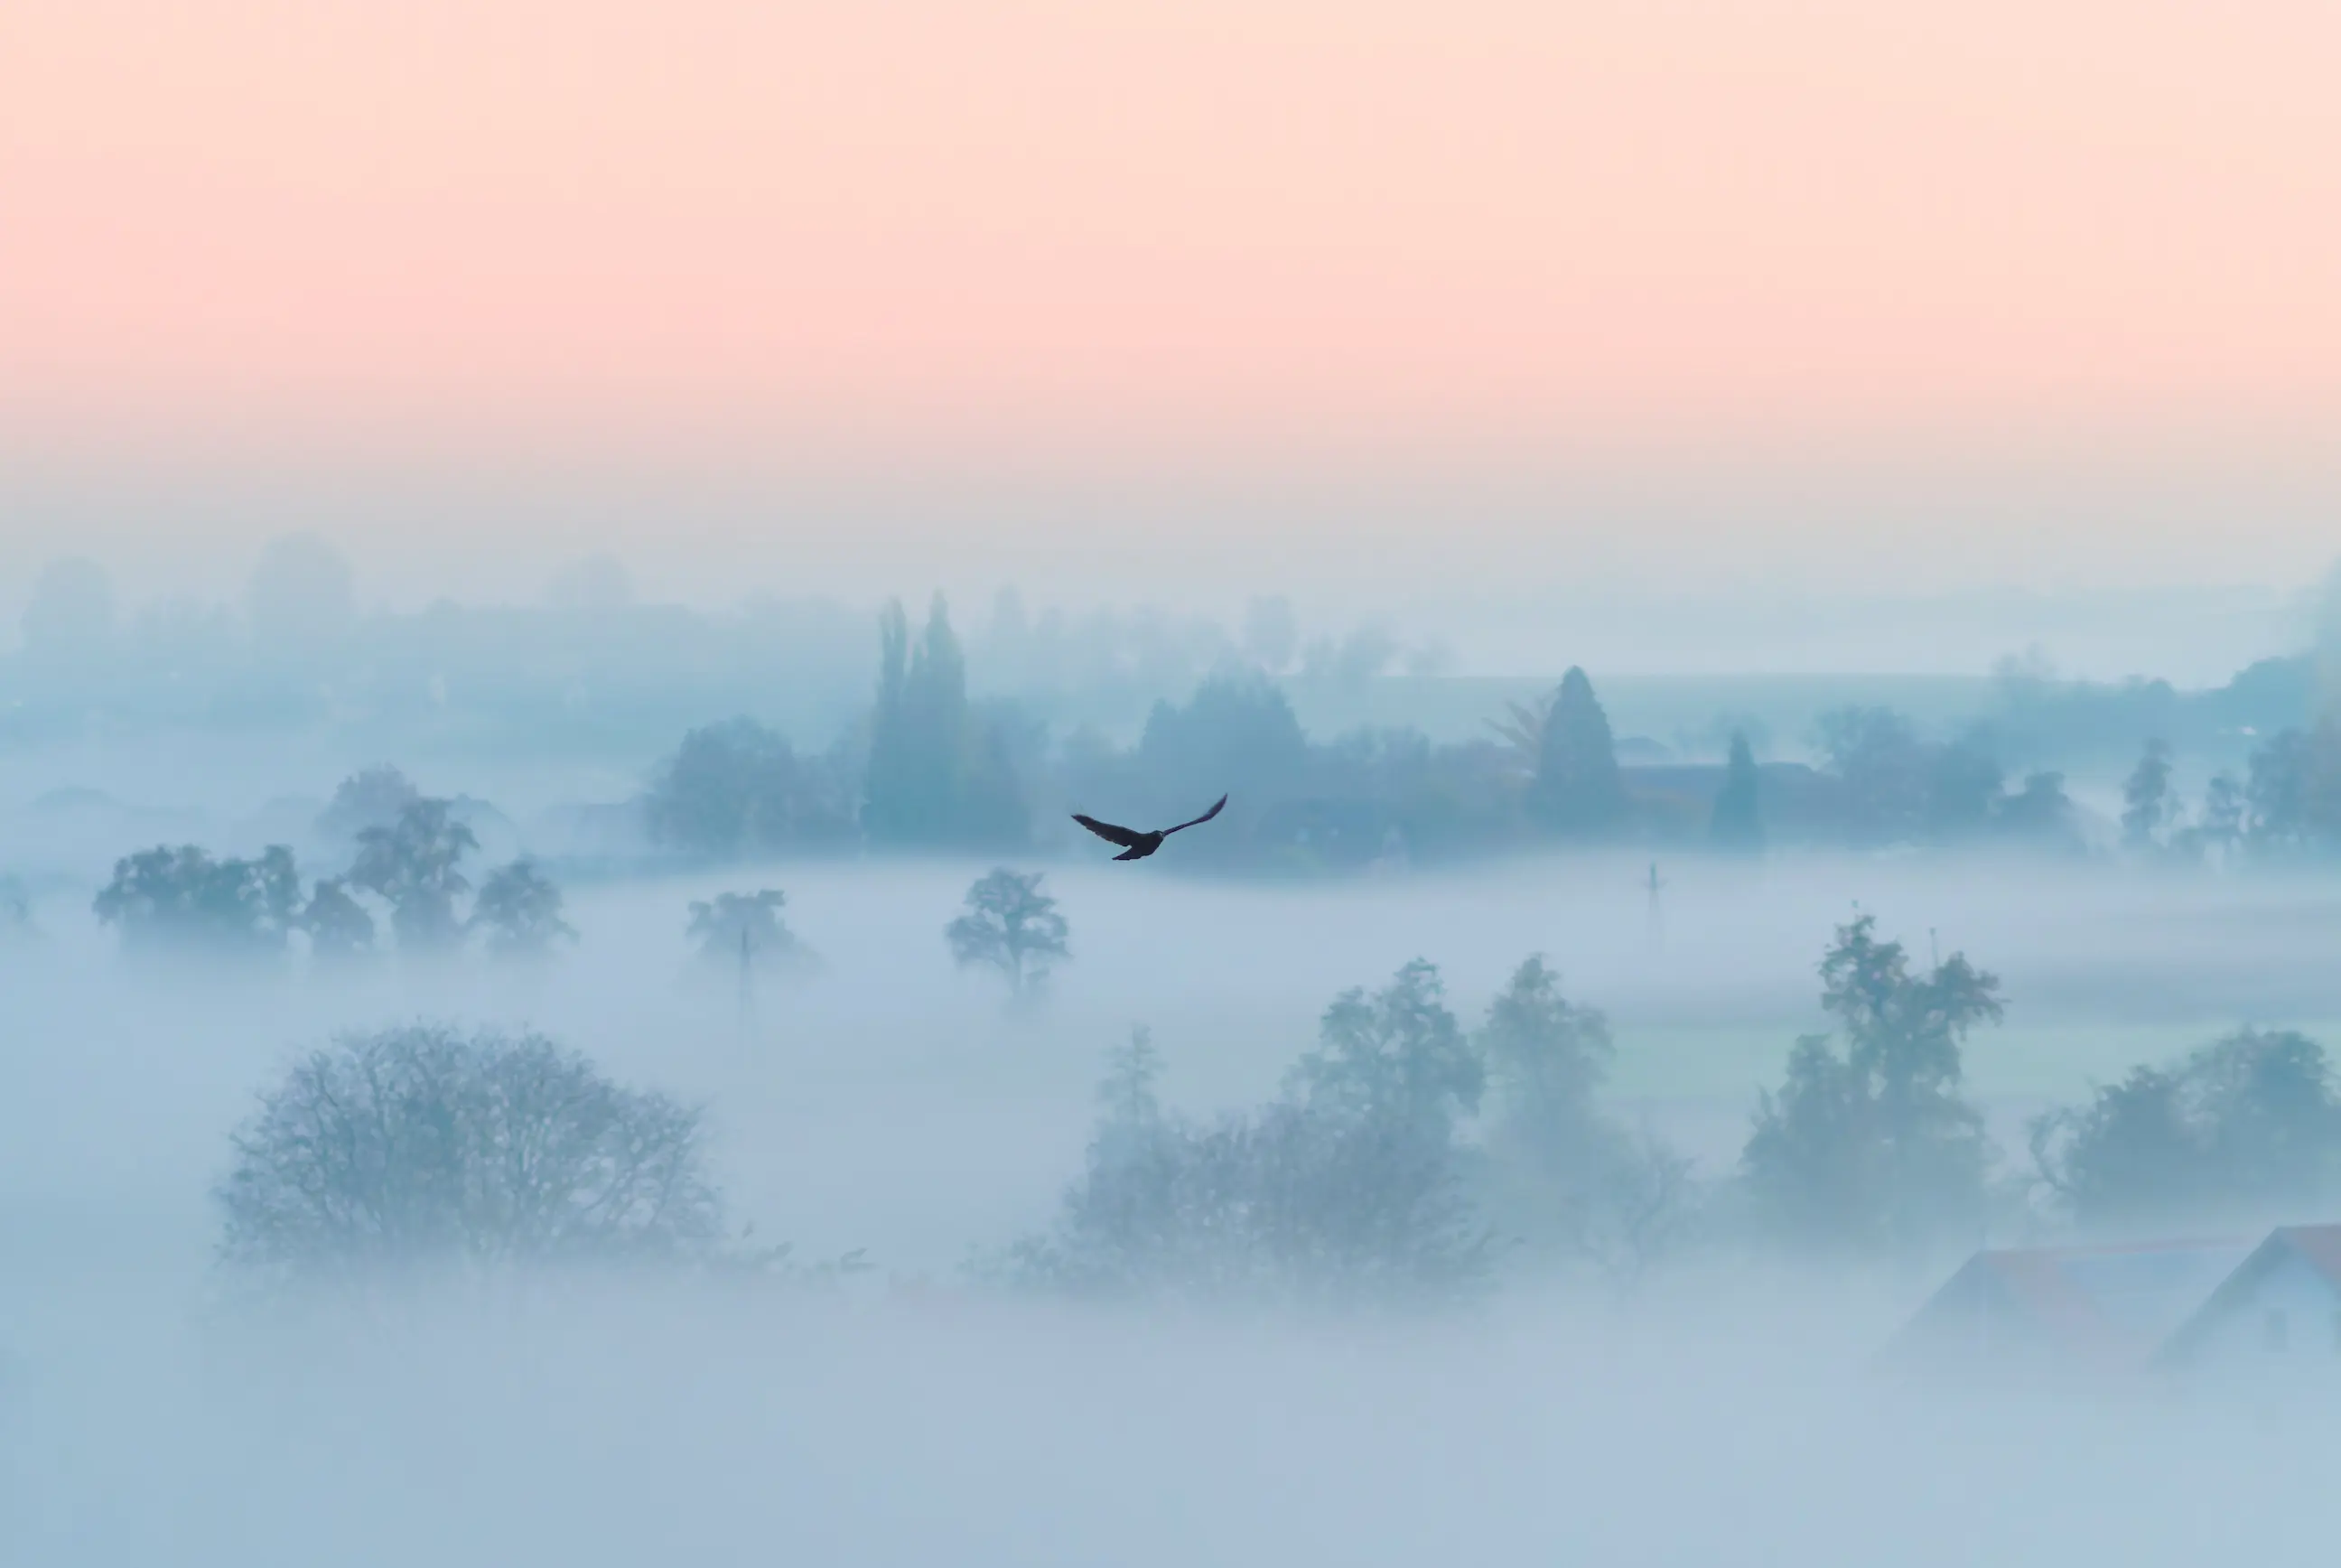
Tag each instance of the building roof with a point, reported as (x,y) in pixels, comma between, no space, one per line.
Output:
(2320,1246)
(2104,1306)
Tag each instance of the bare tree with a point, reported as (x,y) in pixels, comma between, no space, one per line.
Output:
(1012,926)
(421,1145)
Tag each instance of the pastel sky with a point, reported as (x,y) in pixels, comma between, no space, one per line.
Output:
(1471,236)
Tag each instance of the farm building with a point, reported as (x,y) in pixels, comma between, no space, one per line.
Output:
(2063,1311)
(2280,1310)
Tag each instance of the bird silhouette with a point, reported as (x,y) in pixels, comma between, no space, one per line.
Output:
(1137,845)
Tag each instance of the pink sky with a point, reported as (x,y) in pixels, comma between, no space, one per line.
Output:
(1162,231)
(1204,219)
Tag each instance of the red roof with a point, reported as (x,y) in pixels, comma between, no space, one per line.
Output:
(2094,1305)
(2319,1245)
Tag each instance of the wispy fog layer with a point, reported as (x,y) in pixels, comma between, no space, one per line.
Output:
(629,1427)
(889,1104)
(1511,1129)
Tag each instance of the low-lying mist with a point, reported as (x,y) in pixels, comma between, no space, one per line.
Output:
(886,1101)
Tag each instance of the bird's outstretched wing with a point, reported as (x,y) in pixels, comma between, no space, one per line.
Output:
(1107,832)
(1217,806)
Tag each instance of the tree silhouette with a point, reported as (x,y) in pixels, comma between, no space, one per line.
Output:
(415,864)
(1873,1147)
(1547,1057)
(181,898)
(2146,799)
(1012,926)
(338,926)
(519,909)
(737,789)
(2040,812)
(732,924)
(938,774)
(2245,1129)
(1289,1202)
(370,797)
(1883,769)
(1577,791)
(1397,1056)
(1737,825)
(421,1145)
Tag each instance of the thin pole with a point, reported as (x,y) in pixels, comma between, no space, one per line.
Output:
(747,993)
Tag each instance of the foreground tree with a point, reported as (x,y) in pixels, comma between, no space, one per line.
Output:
(1548,1056)
(1872,1148)
(1010,925)
(415,864)
(1572,1184)
(1398,1058)
(519,909)
(166,898)
(2245,1129)
(422,1146)
(1287,1203)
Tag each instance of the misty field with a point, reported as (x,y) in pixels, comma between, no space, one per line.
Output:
(891,1103)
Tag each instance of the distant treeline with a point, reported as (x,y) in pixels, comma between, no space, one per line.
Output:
(929,768)
(592,671)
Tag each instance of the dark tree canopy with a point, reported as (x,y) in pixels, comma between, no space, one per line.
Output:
(1965,791)
(1737,824)
(2294,794)
(519,909)
(2146,803)
(415,864)
(181,898)
(423,1146)
(2245,1129)
(1883,769)
(1577,791)
(737,789)
(339,926)
(939,775)
(1236,735)
(2040,813)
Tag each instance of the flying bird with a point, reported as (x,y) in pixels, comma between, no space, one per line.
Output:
(1136,846)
